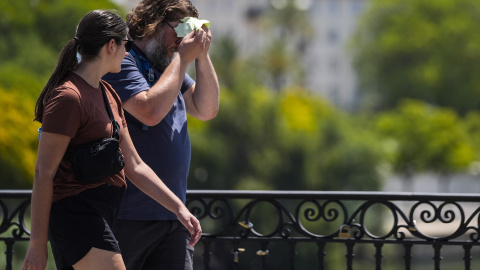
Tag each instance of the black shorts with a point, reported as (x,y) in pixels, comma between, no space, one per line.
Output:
(154,244)
(83,221)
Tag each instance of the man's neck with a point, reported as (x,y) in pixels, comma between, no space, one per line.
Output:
(141,44)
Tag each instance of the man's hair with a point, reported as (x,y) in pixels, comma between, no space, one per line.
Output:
(143,20)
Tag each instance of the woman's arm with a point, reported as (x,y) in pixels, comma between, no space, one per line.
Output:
(51,149)
(146,180)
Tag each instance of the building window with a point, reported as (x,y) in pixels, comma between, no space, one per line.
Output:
(333,65)
(332,37)
(334,94)
(316,7)
(333,7)
(357,6)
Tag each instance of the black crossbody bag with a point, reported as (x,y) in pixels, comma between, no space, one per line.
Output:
(94,161)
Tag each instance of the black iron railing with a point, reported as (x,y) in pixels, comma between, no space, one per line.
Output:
(307,230)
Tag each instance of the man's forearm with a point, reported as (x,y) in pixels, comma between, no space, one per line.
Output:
(206,94)
(151,106)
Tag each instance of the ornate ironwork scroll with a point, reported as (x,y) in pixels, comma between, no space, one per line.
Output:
(293,217)
(321,215)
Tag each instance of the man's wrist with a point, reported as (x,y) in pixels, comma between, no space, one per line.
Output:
(202,58)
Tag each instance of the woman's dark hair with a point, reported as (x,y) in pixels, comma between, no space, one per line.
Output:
(94,30)
(144,18)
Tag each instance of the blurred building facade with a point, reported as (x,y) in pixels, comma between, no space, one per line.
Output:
(326,59)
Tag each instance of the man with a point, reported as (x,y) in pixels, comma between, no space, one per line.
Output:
(157,93)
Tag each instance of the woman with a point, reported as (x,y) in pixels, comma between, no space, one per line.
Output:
(75,216)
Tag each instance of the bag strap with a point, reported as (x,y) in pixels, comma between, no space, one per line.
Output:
(116,127)
(143,66)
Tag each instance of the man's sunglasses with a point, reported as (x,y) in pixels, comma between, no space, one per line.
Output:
(178,39)
(128,45)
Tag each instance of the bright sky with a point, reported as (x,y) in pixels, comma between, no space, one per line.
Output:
(127,3)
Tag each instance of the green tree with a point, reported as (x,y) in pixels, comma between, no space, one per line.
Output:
(292,140)
(348,156)
(472,126)
(18,140)
(226,57)
(287,140)
(420,137)
(33,32)
(285,25)
(421,49)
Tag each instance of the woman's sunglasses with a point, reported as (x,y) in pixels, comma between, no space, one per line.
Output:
(128,45)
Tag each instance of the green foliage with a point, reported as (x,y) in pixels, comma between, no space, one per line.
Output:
(277,65)
(421,49)
(35,61)
(20,80)
(418,136)
(287,29)
(34,32)
(69,13)
(18,140)
(471,124)
(288,140)
(225,57)
(290,20)
(348,158)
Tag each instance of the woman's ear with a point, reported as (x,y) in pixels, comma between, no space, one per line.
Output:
(111,45)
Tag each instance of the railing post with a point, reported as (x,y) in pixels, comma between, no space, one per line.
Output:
(408,256)
(293,253)
(206,254)
(468,257)
(321,255)
(437,255)
(9,253)
(378,256)
(350,254)
(263,253)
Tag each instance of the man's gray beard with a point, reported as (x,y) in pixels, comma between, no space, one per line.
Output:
(157,54)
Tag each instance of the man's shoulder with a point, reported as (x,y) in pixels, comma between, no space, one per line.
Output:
(129,62)
(128,66)
(129,58)
(129,81)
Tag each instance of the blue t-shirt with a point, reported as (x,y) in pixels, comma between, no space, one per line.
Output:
(164,147)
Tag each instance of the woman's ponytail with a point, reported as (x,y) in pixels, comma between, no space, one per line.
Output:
(67,61)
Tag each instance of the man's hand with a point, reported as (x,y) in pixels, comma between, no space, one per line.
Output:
(204,54)
(194,44)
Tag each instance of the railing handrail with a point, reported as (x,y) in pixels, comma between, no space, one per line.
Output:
(299,194)
(345,195)
(15,193)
